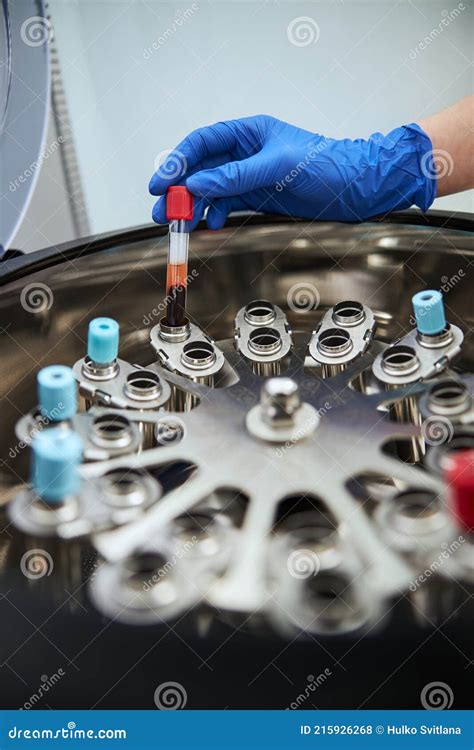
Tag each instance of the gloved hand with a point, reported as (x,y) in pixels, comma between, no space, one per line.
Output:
(266,165)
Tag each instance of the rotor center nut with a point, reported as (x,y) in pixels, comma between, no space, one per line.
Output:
(279,401)
(281,416)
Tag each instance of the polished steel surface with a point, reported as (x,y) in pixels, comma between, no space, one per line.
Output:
(341,429)
(382,265)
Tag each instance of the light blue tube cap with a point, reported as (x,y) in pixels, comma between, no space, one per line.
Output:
(57,453)
(103,340)
(57,392)
(429,312)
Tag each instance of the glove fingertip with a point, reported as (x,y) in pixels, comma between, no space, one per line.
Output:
(160,183)
(153,186)
(159,211)
(199,207)
(216,218)
(196,184)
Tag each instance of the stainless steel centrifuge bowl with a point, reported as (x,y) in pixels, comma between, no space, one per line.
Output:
(379,264)
(305,269)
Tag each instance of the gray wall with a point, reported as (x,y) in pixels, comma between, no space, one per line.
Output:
(48,220)
(137,81)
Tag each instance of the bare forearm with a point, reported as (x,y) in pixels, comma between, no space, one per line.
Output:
(452,135)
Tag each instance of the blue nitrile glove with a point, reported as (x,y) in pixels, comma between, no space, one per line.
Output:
(263,164)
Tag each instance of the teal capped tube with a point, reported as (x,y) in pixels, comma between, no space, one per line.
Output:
(103,340)
(57,393)
(57,454)
(429,312)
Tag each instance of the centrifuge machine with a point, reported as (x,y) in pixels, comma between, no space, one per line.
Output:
(263,507)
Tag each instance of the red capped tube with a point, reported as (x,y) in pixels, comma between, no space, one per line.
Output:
(179,204)
(179,211)
(459,476)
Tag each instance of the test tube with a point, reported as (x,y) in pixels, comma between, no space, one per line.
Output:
(179,211)
(40,512)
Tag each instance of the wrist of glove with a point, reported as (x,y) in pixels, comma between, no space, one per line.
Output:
(396,172)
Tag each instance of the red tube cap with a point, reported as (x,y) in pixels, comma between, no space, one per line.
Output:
(179,203)
(460,478)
